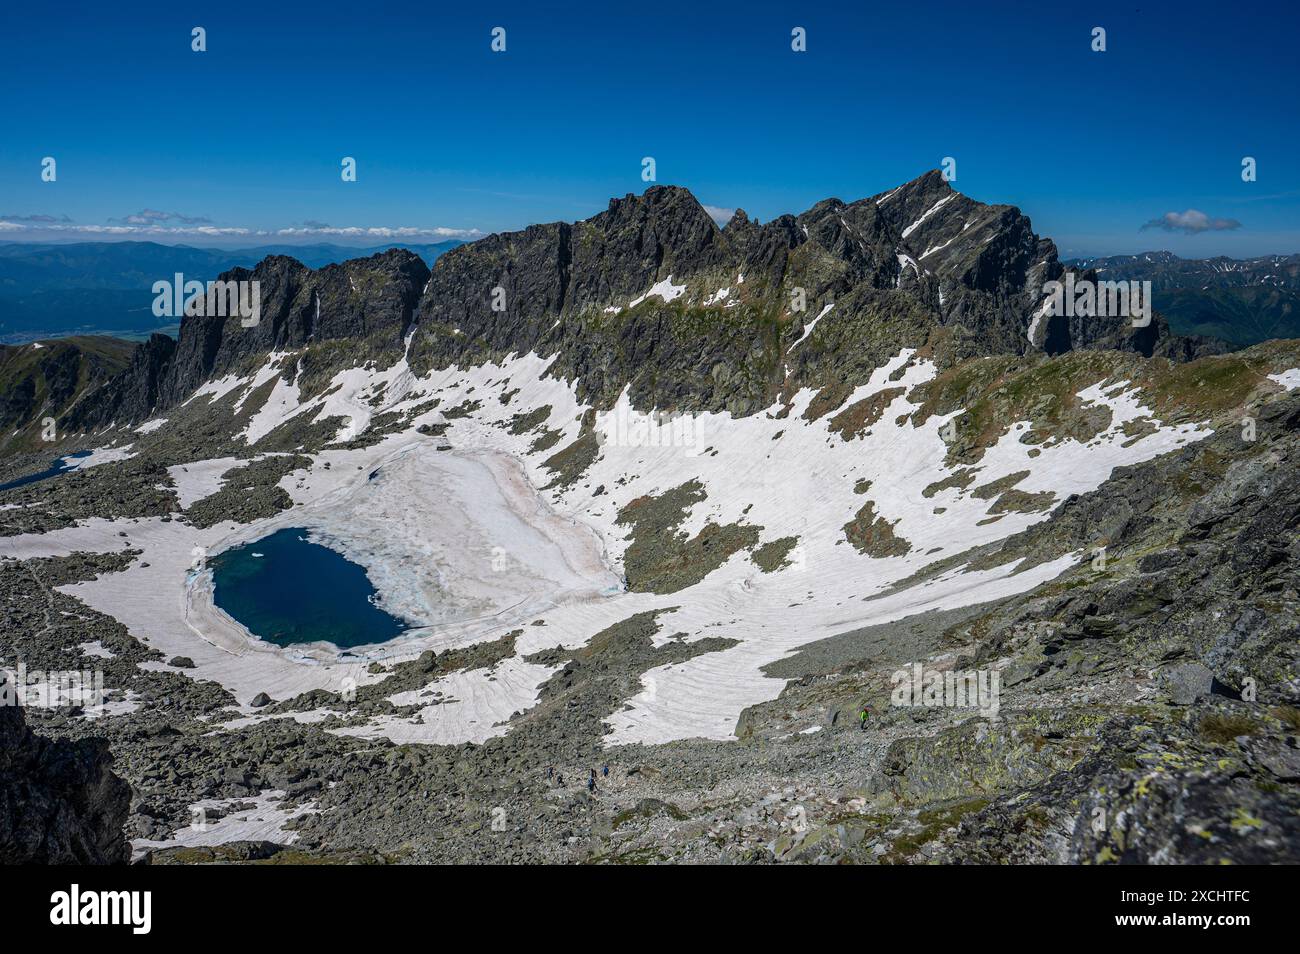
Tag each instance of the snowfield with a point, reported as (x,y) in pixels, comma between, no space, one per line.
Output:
(470,552)
(242,819)
(469,545)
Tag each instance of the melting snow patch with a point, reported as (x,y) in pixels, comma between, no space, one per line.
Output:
(808,329)
(929,212)
(215,390)
(101,455)
(242,819)
(887,196)
(903,262)
(203,478)
(664,289)
(283,403)
(1289,379)
(1037,317)
(460,707)
(937,248)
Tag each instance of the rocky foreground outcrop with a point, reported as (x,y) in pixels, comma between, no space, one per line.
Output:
(60,802)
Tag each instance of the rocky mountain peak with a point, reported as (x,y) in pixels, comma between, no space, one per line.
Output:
(739,219)
(614,295)
(663,200)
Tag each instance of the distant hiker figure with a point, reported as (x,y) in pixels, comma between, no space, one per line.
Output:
(863,716)
(591,782)
(605,771)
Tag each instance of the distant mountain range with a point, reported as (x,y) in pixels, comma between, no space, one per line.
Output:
(1241,301)
(1166,270)
(54,290)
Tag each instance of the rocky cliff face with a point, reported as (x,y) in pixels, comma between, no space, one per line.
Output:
(920,265)
(60,802)
(368,303)
(357,311)
(651,295)
(131,395)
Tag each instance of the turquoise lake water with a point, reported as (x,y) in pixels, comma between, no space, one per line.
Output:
(285,589)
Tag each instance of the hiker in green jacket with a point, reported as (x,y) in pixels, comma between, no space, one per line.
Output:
(863,716)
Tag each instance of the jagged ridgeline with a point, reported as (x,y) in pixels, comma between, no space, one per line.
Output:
(730,324)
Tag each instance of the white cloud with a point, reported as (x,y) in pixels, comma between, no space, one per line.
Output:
(1192,221)
(718,214)
(154,217)
(384,232)
(147,226)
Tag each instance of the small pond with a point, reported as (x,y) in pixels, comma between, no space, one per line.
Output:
(286,589)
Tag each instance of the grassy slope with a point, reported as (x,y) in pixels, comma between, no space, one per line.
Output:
(39,382)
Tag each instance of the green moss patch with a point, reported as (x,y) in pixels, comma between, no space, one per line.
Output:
(855,419)
(660,559)
(569,464)
(771,556)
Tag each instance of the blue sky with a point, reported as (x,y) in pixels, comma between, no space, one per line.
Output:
(153,140)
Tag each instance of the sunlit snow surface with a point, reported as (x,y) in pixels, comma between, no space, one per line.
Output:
(260,818)
(463,542)
(1289,379)
(98,457)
